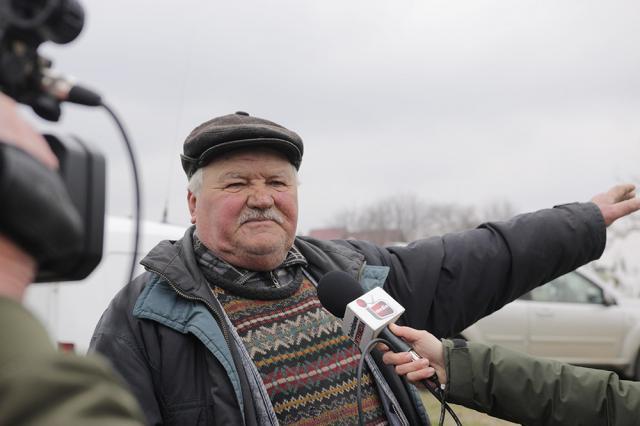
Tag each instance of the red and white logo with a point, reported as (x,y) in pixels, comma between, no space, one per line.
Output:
(378,308)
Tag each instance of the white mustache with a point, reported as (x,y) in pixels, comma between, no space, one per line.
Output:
(255,214)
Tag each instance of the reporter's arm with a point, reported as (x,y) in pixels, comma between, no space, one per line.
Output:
(40,386)
(528,390)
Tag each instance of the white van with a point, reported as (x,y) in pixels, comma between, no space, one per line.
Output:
(71,310)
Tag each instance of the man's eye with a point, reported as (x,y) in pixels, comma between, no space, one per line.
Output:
(234,185)
(278,183)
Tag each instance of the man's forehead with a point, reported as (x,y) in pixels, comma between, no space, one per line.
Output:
(250,154)
(237,174)
(239,164)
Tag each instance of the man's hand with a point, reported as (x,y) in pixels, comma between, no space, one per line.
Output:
(426,345)
(617,202)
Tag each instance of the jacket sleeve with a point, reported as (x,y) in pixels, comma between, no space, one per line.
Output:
(41,386)
(448,283)
(527,390)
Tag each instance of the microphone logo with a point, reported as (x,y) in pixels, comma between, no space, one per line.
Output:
(378,308)
(366,316)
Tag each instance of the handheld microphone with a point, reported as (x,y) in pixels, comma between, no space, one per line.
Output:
(364,316)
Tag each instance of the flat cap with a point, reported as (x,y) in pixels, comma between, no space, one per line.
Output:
(229,132)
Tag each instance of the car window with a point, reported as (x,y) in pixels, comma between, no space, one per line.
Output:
(569,288)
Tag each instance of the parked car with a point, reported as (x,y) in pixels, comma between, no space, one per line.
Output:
(575,318)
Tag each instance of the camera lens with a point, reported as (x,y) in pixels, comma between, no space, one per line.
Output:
(38,21)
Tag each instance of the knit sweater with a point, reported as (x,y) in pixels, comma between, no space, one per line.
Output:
(306,363)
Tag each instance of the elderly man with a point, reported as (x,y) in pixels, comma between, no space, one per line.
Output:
(225,327)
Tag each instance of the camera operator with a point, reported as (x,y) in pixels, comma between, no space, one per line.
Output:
(516,387)
(39,385)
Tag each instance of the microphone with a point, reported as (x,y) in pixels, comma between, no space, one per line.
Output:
(64,89)
(364,316)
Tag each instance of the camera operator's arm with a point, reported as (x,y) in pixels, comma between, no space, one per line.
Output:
(17,268)
(519,388)
(38,385)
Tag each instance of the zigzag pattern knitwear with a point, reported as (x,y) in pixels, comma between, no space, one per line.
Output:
(307,365)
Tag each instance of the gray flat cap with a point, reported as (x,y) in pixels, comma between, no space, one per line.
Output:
(229,132)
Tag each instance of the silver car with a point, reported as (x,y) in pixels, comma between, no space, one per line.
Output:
(575,318)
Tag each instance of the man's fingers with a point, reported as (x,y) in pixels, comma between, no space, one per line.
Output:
(411,366)
(628,206)
(382,347)
(426,373)
(407,333)
(613,212)
(617,202)
(630,194)
(622,192)
(396,358)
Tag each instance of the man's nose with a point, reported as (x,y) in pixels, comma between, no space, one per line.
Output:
(260,198)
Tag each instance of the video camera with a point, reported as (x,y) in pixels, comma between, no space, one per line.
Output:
(56,217)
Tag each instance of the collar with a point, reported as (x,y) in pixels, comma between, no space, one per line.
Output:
(278,283)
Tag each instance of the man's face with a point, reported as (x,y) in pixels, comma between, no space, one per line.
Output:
(247,209)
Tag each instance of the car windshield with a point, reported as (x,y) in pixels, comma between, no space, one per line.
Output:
(569,288)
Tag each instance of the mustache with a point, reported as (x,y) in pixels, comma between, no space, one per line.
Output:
(257,214)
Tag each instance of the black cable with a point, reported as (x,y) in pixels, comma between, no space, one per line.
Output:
(136,183)
(363,355)
(438,392)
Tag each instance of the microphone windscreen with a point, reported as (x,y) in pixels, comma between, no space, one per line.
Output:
(336,290)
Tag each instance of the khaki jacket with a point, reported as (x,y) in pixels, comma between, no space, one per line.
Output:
(534,391)
(41,386)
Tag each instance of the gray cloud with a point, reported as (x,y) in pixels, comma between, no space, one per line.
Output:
(533,102)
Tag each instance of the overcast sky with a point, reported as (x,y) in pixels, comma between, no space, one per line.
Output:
(534,102)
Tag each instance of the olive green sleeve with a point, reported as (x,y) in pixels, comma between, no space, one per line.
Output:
(40,386)
(527,390)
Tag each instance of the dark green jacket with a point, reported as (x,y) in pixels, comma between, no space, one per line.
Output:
(534,391)
(40,386)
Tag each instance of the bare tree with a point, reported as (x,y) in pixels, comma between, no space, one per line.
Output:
(497,210)
(415,218)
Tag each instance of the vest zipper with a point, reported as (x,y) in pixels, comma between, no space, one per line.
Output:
(359,277)
(213,310)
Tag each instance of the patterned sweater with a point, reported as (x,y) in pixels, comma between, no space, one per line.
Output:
(306,363)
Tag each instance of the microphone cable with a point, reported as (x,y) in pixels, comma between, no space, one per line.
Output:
(136,184)
(437,392)
(81,95)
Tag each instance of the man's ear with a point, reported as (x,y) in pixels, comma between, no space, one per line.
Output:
(192,200)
